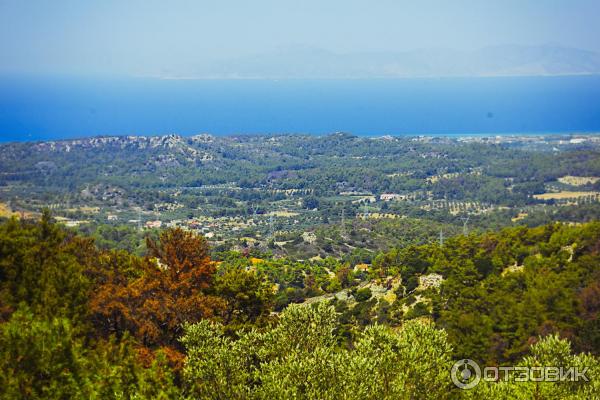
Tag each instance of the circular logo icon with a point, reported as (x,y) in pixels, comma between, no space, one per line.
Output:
(465,374)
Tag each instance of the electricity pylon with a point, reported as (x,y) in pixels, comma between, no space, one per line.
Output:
(465,221)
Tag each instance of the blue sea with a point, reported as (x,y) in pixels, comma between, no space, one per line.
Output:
(61,107)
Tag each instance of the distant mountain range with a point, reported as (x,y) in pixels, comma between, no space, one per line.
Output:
(309,62)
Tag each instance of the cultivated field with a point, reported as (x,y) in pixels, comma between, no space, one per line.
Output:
(578,180)
(566,195)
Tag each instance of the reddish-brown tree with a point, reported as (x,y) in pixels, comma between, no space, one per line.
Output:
(174,287)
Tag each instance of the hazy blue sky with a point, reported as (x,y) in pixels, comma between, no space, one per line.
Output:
(154,37)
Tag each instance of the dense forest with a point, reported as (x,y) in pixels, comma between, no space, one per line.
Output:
(180,321)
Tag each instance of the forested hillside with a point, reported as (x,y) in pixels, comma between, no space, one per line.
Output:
(79,321)
(302,196)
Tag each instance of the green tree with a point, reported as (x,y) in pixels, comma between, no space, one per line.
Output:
(39,268)
(300,358)
(48,359)
(248,295)
(550,351)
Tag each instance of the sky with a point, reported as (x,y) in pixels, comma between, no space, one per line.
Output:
(148,37)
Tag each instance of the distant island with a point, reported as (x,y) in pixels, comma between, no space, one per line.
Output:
(305,62)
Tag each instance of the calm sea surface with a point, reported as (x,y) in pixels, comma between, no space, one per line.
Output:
(52,108)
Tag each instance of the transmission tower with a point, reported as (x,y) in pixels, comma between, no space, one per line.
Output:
(254,209)
(139,219)
(343,226)
(270,225)
(441,237)
(465,221)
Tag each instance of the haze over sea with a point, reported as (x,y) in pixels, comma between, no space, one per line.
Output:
(60,108)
